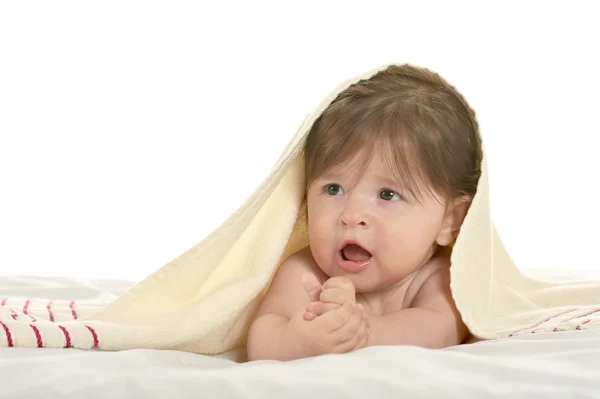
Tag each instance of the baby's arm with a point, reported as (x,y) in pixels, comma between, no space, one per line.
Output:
(432,322)
(280,330)
(283,299)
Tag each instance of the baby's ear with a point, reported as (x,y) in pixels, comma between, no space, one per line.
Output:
(455,215)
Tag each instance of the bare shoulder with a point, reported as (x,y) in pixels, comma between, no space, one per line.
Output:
(435,294)
(286,295)
(434,290)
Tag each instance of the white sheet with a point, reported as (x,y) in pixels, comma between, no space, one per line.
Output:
(555,365)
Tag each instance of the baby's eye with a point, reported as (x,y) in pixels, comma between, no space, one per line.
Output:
(333,189)
(389,195)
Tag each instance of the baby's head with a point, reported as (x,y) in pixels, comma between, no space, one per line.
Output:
(392,165)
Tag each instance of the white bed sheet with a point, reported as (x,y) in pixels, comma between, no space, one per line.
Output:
(555,365)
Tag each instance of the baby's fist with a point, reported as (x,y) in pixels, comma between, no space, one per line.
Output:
(338,290)
(334,293)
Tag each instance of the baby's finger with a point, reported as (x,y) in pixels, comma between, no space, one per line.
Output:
(320,308)
(337,295)
(353,341)
(312,286)
(339,282)
(333,320)
(362,334)
(308,316)
(363,341)
(362,325)
(349,329)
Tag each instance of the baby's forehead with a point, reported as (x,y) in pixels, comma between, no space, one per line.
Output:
(372,168)
(377,160)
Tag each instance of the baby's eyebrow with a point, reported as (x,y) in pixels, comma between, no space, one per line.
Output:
(389,181)
(332,176)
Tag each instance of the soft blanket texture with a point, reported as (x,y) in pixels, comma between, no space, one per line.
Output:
(203,300)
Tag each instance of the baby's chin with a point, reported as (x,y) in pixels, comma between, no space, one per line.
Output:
(363,283)
(367,286)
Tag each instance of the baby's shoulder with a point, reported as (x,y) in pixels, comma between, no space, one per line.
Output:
(433,285)
(297,264)
(285,294)
(431,280)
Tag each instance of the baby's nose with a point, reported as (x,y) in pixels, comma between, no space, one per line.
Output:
(354,218)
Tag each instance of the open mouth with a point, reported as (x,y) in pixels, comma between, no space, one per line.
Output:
(355,253)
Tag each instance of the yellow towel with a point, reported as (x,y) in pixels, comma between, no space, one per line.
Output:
(203,300)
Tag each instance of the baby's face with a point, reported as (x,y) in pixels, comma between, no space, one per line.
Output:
(389,233)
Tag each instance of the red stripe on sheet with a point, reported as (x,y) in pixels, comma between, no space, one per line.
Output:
(38,337)
(584,315)
(73,312)
(584,323)
(26,307)
(93,335)
(3,303)
(577,327)
(67,337)
(50,314)
(541,322)
(9,340)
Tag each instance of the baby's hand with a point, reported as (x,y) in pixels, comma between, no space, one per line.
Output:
(342,330)
(332,295)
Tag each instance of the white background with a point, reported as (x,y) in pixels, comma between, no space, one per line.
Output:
(128,131)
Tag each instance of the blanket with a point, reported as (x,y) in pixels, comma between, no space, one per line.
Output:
(203,300)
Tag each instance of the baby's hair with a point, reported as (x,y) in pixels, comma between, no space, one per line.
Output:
(424,128)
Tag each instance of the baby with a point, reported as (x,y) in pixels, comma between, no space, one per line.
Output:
(392,166)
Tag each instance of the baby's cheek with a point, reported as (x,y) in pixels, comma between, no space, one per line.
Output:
(318,237)
(321,258)
(400,241)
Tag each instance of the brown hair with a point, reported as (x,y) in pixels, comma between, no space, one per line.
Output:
(425,129)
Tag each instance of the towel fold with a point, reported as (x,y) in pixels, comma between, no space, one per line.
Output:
(203,300)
